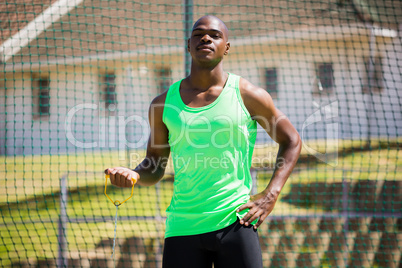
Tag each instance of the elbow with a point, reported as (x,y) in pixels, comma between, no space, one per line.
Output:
(297,145)
(294,143)
(159,173)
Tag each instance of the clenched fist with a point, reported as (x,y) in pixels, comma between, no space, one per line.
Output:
(122,177)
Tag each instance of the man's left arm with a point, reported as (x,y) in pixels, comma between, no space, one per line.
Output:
(261,107)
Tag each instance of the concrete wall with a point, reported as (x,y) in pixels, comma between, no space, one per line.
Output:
(137,84)
(75,97)
(297,80)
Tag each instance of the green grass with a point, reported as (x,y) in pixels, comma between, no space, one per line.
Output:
(368,165)
(25,176)
(22,239)
(29,187)
(39,240)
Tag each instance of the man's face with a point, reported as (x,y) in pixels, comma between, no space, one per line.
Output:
(208,41)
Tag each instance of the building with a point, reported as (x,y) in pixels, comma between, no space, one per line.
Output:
(79,75)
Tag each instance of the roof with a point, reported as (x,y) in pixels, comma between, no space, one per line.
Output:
(105,26)
(16,14)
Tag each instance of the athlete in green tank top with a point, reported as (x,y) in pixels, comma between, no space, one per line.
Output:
(211,149)
(208,122)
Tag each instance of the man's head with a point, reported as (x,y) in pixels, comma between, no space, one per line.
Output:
(215,20)
(209,40)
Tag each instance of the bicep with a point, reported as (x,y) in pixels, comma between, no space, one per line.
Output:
(276,124)
(262,109)
(158,144)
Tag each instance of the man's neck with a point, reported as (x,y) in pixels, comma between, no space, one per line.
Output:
(205,78)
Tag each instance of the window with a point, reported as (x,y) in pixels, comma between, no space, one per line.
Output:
(108,91)
(324,78)
(271,81)
(40,97)
(374,79)
(164,79)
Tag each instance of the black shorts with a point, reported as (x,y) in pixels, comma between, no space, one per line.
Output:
(234,246)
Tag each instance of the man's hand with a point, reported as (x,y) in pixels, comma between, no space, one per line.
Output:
(122,177)
(260,206)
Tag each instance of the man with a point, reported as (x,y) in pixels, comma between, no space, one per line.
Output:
(208,122)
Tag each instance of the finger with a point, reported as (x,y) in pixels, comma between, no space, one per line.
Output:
(260,220)
(253,218)
(110,171)
(129,181)
(245,206)
(244,219)
(116,170)
(121,179)
(117,179)
(117,174)
(129,175)
(125,174)
(247,216)
(136,177)
(125,178)
(112,179)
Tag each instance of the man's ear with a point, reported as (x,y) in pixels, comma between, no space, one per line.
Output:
(227,48)
(188,45)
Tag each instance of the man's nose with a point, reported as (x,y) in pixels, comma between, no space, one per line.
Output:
(205,38)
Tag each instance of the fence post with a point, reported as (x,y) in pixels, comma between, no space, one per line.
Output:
(158,219)
(371,70)
(345,216)
(62,235)
(188,21)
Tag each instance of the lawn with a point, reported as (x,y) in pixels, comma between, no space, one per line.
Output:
(29,195)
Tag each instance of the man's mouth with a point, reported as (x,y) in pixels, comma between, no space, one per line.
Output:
(204,47)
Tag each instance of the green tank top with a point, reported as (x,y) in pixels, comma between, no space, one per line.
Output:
(211,149)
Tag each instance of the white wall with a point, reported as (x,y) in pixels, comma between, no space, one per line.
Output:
(18,109)
(3,94)
(91,128)
(296,70)
(137,86)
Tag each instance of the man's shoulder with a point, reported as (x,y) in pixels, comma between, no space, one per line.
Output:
(160,99)
(158,103)
(254,98)
(250,91)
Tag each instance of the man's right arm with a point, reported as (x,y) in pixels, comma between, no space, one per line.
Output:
(152,168)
